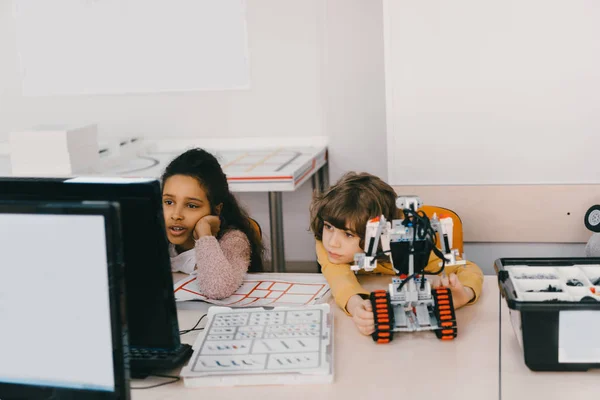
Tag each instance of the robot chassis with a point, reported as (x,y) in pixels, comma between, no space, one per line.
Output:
(410,304)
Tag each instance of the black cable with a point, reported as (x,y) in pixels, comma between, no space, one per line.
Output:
(183,332)
(175,379)
(383,253)
(422,230)
(408,278)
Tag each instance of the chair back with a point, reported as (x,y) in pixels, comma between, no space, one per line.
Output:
(256,226)
(457,230)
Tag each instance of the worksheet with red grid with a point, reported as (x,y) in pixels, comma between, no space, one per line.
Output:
(258,290)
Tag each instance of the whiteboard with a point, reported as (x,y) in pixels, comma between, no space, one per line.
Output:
(78,47)
(492,92)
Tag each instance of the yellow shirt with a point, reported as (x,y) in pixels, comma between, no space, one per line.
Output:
(344,284)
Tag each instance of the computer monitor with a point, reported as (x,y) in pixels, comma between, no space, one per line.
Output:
(151,311)
(63,328)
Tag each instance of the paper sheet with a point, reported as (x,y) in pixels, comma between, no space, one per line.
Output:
(259,290)
(578,336)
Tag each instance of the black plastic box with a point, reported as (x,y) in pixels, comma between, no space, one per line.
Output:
(541,291)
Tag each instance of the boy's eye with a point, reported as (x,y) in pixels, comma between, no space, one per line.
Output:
(327,226)
(192,206)
(349,235)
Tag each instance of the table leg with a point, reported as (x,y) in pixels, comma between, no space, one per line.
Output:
(276,224)
(320,180)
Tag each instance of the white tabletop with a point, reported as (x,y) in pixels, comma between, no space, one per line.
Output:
(251,164)
(416,365)
(413,365)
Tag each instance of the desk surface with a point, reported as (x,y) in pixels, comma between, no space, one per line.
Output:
(412,366)
(251,164)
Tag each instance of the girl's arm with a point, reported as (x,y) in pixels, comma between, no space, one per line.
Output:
(222,264)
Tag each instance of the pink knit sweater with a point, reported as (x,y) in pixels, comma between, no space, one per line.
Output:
(220,264)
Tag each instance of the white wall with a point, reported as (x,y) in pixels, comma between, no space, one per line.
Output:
(493,92)
(509,86)
(316,69)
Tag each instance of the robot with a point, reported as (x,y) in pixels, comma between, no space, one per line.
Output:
(410,304)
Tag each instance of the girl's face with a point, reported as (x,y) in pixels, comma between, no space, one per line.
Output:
(341,245)
(184,204)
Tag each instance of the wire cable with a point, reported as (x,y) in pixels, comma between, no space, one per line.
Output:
(183,332)
(174,379)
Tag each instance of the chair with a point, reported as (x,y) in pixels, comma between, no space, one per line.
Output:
(457,230)
(256,226)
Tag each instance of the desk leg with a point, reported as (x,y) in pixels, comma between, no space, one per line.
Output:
(276,222)
(320,180)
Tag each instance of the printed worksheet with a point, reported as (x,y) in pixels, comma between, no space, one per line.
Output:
(255,346)
(259,290)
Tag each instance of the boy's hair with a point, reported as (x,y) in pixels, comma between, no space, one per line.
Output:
(205,168)
(351,202)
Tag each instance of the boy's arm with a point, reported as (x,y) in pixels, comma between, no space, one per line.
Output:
(341,279)
(470,275)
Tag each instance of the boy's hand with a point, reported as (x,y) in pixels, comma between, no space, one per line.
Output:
(208,225)
(460,295)
(362,314)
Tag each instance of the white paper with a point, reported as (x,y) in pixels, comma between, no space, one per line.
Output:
(578,336)
(260,290)
(257,347)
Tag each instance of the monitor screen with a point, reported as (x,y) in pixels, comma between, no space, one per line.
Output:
(57,311)
(151,311)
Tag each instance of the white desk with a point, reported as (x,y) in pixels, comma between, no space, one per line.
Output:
(412,366)
(272,165)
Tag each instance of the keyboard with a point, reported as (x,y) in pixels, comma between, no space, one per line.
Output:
(144,361)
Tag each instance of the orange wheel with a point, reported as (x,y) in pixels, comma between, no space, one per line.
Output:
(444,313)
(384,316)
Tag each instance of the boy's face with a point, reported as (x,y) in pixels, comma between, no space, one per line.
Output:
(341,245)
(184,204)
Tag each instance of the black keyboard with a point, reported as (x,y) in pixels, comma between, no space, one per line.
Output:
(143,361)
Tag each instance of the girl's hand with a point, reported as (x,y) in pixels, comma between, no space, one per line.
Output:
(208,225)
(362,314)
(461,295)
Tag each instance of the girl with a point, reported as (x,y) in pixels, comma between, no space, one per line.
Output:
(210,234)
(338,221)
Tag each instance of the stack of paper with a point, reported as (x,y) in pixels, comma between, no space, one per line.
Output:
(54,151)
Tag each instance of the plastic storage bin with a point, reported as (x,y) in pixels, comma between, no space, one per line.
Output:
(554,304)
